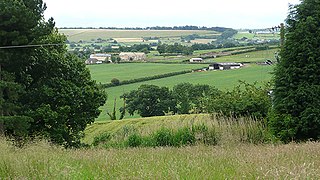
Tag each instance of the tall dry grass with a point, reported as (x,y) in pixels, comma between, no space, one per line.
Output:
(223,130)
(44,161)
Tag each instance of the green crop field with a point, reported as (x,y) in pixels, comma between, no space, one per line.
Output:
(220,79)
(105,72)
(89,34)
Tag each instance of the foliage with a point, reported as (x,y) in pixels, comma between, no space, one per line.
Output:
(148,78)
(149,100)
(115,81)
(189,97)
(134,140)
(58,93)
(101,139)
(175,48)
(244,100)
(297,83)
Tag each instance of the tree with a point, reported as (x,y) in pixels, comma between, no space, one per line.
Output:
(243,100)
(190,97)
(296,114)
(149,100)
(56,92)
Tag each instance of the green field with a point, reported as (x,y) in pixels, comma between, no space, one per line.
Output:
(105,72)
(257,56)
(76,35)
(220,79)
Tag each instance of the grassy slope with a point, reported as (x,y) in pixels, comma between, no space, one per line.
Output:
(105,72)
(245,161)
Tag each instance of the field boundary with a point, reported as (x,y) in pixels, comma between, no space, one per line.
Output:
(148,78)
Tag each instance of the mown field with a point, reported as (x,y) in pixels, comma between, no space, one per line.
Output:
(105,72)
(76,35)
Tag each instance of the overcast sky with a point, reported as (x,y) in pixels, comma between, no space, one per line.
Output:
(144,13)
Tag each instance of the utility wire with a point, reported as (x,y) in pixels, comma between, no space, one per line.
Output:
(29,45)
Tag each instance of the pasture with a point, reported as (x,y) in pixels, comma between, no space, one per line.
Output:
(256,56)
(220,79)
(105,72)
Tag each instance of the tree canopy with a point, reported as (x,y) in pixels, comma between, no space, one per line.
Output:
(39,79)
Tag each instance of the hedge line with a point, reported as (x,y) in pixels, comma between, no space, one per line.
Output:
(148,78)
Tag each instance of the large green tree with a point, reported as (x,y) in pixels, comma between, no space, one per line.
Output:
(149,100)
(47,84)
(296,113)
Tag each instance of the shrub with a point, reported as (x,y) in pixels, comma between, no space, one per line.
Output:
(115,81)
(134,140)
(163,137)
(244,100)
(101,139)
(183,136)
(206,135)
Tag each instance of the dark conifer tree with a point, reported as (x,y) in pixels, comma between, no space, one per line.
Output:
(296,113)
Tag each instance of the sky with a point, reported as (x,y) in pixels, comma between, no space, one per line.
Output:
(146,13)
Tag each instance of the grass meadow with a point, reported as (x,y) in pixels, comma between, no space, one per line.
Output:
(230,159)
(42,161)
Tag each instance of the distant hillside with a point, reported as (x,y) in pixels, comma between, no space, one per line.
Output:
(187,27)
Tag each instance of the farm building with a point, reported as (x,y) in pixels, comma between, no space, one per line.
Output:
(101,57)
(224,66)
(132,56)
(93,61)
(196,60)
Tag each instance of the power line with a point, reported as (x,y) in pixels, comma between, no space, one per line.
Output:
(29,45)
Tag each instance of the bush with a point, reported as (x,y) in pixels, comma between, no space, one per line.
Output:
(205,135)
(244,100)
(134,140)
(163,137)
(101,139)
(115,81)
(184,136)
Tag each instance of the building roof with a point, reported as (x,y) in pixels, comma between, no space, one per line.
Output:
(132,53)
(227,64)
(100,55)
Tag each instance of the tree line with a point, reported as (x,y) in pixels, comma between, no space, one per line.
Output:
(185,98)
(187,27)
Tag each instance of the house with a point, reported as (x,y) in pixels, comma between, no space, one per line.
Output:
(225,66)
(93,61)
(101,57)
(196,60)
(132,56)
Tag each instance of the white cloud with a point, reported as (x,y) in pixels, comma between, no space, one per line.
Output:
(129,13)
